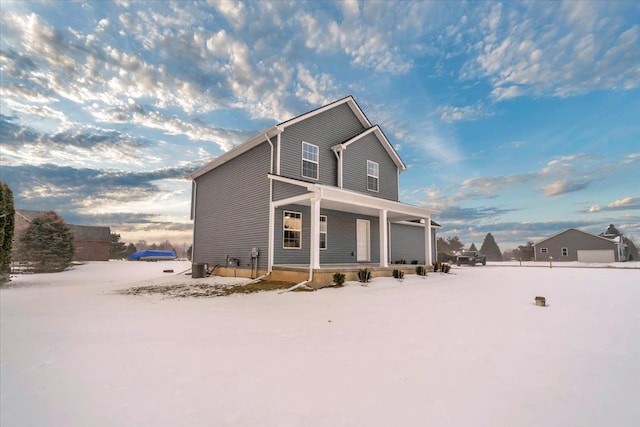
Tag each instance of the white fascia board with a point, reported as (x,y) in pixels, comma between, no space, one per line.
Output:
(416,224)
(383,140)
(293,200)
(353,198)
(359,199)
(349,100)
(236,151)
(308,185)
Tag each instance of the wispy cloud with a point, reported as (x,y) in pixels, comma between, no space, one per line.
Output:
(559,49)
(563,186)
(627,203)
(450,114)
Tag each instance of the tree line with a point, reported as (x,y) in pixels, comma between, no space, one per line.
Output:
(121,250)
(453,244)
(524,252)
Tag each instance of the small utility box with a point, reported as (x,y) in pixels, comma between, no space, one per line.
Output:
(197,270)
(541,301)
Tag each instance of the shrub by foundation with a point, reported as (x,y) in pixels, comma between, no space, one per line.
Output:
(338,279)
(364,275)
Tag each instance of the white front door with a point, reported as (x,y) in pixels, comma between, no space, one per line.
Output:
(363,240)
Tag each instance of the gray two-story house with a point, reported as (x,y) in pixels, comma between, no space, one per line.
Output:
(318,192)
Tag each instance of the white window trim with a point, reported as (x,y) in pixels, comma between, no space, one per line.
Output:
(284,212)
(317,163)
(564,251)
(377,190)
(326,233)
(544,250)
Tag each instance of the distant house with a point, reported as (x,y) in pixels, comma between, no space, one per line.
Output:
(91,242)
(318,192)
(577,245)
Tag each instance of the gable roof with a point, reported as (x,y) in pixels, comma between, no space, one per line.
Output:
(90,233)
(579,231)
(349,100)
(383,140)
(29,215)
(275,130)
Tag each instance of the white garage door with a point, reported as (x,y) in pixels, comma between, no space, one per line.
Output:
(605,255)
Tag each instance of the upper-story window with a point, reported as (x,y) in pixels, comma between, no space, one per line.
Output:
(310,160)
(372,175)
(565,251)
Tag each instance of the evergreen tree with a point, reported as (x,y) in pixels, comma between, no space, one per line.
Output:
(451,244)
(526,252)
(48,242)
(117,248)
(7,223)
(473,248)
(490,249)
(612,231)
(454,244)
(633,250)
(131,249)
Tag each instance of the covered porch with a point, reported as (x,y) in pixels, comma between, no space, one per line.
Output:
(378,214)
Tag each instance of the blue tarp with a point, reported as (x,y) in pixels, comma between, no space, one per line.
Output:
(152,255)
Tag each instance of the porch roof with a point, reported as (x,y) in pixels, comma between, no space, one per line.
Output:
(339,199)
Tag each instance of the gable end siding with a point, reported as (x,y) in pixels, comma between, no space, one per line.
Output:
(325,130)
(283,190)
(232,210)
(355,168)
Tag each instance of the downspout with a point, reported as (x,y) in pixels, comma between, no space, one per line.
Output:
(194,192)
(270,239)
(304,284)
(338,154)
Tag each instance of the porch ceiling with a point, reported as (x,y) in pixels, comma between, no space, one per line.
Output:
(338,205)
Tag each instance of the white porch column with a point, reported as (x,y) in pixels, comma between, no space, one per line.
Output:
(314,250)
(384,238)
(427,243)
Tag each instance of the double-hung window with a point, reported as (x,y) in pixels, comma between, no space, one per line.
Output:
(292,230)
(323,232)
(565,251)
(372,175)
(310,160)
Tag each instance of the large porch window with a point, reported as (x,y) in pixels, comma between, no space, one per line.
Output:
(292,230)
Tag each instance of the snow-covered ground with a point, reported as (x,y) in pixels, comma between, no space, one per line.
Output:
(464,349)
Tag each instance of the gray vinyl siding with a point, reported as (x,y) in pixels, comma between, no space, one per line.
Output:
(355,168)
(325,130)
(341,238)
(232,210)
(407,243)
(573,240)
(283,190)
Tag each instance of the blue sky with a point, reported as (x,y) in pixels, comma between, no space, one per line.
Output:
(519,119)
